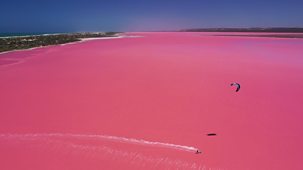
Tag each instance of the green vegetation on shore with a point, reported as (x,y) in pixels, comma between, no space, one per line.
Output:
(25,42)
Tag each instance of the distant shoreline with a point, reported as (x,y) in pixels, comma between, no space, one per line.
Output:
(68,43)
(273,35)
(117,36)
(256,29)
(23,42)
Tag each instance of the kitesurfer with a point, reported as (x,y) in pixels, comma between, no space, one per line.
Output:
(198,152)
(237,85)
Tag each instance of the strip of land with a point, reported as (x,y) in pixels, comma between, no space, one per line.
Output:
(276,32)
(256,29)
(264,35)
(26,42)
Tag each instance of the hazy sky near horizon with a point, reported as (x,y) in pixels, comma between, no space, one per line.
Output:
(145,15)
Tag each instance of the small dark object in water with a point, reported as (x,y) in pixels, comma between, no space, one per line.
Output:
(211,134)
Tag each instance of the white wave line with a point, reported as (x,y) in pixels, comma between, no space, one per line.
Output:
(105,137)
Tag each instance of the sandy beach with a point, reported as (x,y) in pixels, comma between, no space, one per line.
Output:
(148,101)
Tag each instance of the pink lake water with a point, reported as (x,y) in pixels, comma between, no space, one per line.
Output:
(147,102)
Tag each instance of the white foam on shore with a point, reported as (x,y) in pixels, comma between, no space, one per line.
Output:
(105,38)
(89,39)
(100,137)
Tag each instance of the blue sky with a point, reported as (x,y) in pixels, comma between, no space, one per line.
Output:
(145,15)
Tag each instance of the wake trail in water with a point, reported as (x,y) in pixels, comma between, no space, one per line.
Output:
(102,138)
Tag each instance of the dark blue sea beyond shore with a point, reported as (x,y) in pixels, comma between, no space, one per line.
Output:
(24,34)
